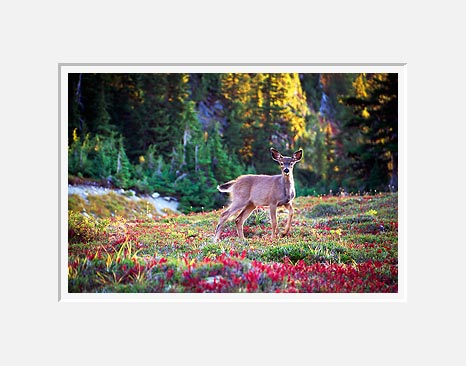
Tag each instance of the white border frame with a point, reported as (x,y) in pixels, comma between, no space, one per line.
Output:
(65,68)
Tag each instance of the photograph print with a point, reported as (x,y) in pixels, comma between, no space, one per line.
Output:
(231,182)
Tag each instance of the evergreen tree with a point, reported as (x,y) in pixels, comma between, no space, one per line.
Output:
(224,167)
(123,173)
(123,100)
(75,120)
(312,88)
(205,86)
(236,93)
(370,136)
(319,154)
(280,112)
(93,104)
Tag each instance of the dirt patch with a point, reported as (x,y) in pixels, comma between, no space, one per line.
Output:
(162,205)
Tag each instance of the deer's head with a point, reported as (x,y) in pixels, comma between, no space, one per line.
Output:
(286,163)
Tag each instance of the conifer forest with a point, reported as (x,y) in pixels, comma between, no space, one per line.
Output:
(183,134)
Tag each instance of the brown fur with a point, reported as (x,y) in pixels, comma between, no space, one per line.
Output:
(249,191)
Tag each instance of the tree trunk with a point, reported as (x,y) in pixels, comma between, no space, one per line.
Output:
(394,174)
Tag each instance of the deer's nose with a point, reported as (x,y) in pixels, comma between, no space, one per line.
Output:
(286,170)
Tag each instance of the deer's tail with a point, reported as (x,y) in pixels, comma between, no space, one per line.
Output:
(226,187)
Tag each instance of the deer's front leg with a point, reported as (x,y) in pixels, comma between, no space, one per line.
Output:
(273,217)
(290,209)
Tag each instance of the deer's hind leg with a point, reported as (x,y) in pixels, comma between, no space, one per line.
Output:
(224,217)
(244,214)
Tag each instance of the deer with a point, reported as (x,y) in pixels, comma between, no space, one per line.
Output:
(249,191)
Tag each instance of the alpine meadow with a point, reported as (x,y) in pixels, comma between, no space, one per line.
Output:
(232,183)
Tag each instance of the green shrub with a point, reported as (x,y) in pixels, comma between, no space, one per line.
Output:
(84,229)
(324,209)
(293,252)
(258,217)
(100,157)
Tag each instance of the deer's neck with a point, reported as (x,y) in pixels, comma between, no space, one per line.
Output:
(288,186)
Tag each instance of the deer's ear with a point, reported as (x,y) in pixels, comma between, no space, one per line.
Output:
(275,154)
(297,156)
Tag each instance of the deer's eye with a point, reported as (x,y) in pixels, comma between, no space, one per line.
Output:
(281,164)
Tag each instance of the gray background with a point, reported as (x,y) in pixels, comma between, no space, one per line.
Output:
(35,327)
